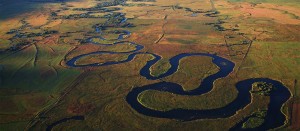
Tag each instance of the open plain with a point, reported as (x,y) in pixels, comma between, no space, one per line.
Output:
(149,65)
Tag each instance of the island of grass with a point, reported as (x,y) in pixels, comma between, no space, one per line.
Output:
(262,88)
(255,120)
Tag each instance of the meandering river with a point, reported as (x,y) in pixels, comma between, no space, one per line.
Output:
(274,118)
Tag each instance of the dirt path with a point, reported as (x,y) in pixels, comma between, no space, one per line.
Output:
(163,30)
(246,54)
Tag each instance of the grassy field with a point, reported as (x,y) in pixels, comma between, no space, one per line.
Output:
(37,88)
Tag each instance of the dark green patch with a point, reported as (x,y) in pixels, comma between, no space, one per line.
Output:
(262,88)
(256,120)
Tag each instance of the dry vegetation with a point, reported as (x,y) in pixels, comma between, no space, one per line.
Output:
(37,87)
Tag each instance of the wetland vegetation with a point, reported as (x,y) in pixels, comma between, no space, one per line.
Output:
(149,64)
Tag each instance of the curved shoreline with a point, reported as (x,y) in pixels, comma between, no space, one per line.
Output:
(274,118)
(50,127)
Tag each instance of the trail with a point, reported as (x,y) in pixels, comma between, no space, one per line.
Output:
(245,56)
(163,30)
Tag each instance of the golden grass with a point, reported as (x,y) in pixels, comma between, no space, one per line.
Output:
(100,95)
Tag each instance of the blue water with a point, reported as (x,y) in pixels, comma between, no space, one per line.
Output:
(50,127)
